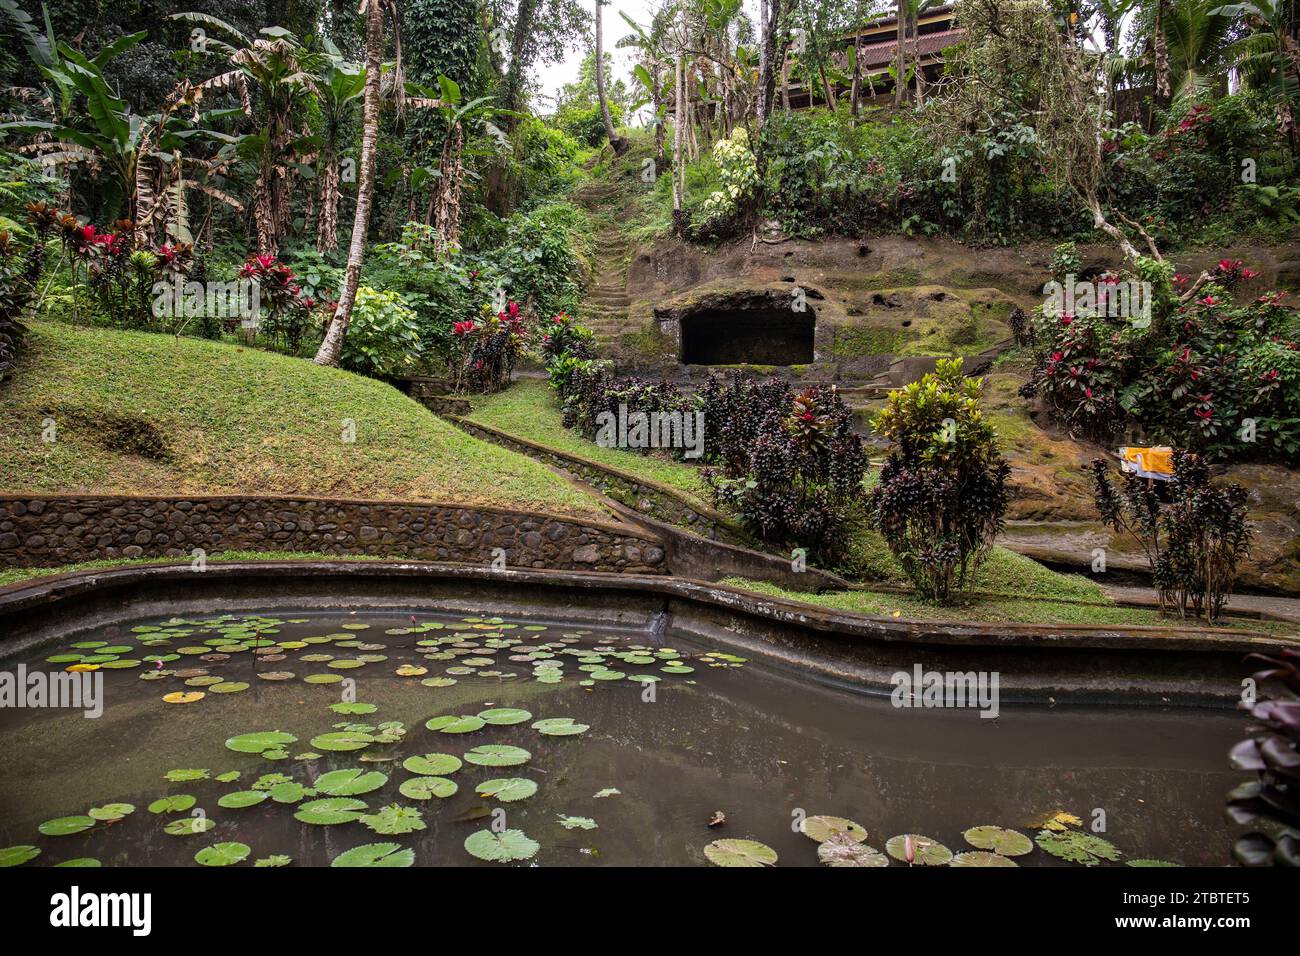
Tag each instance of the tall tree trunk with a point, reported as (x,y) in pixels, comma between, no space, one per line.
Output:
(451,174)
(900,61)
(767,65)
(855,92)
(679,159)
(618,142)
(327,224)
(657,101)
(1161,52)
(332,345)
(916,60)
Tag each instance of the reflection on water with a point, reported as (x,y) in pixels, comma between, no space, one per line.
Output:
(761,746)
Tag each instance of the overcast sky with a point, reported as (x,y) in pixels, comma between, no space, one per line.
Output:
(552,77)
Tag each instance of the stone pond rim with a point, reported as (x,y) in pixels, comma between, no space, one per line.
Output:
(1035,663)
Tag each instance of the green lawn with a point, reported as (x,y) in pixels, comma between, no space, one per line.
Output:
(989,609)
(528,409)
(151,414)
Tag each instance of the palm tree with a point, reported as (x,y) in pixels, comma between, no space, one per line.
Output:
(1268,56)
(284,72)
(341,84)
(616,141)
(332,345)
(650,72)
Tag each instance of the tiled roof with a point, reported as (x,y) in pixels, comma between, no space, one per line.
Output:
(928,44)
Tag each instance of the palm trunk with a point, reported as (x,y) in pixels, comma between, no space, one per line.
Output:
(657,97)
(679,160)
(1161,52)
(900,63)
(916,61)
(855,91)
(447,193)
(616,141)
(327,224)
(332,345)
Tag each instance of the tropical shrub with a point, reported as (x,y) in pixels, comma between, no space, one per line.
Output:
(565,336)
(487,349)
(384,337)
(1194,544)
(942,492)
(285,310)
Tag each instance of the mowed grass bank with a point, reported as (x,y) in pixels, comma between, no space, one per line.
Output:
(142,413)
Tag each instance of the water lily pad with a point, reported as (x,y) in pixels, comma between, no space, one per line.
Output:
(111,811)
(183,697)
(349,783)
(242,798)
(186,775)
(394,819)
(1147,862)
(844,849)
(353,708)
(507,789)
(606,792)
(822,828)
(229,687)
(999,840)
(342,741)
(924,850)
(577,823)
(187,826)
(222,854)
(981,858)
(331,810)
(375,854)
(504,847)
(450,724)
(18,855)
(504,716)
(176,803)
(288,792)
(432,765)
(497,755)
(323,678)
(426,788)
(256,743)
(83,862)
(560,727)
(740,853)
(1076,846)
(277,859)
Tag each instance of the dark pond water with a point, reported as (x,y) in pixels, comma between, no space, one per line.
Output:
(758,746)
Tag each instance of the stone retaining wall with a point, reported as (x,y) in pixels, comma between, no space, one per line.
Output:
(54,530)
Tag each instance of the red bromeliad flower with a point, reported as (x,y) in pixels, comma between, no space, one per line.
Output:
(463,328)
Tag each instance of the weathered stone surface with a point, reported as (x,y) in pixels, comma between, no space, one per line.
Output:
(66,530)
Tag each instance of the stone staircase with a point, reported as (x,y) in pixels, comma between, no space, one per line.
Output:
(605,308)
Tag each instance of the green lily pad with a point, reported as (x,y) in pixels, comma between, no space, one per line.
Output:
(176,803)
(289,792)
(276,859)
(450,724)
(352,708)
(375,854)
(577,823)
(497,755)
(1076,846)
(981,858)
(331,810)
(503,716)
(845,849)
(560,727)
(187,826)
(18,855)
(507,789)
(426,788)
(432,765)
(740,853)
(342,740)
(222,854)
(999,840)
(83,862)
(822,828)
(1147,862)
(256,743)
(924,850)
(242,798)
(394,819)
(504,847)
(349,783)
(111,811)
(185,776)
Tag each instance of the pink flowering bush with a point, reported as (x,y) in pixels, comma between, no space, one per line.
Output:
(486,349)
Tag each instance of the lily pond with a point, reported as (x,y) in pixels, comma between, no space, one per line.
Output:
(383,738)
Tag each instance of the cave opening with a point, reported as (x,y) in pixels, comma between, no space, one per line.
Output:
(741,336)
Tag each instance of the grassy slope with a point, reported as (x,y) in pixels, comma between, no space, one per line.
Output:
(528,409)
(236,420)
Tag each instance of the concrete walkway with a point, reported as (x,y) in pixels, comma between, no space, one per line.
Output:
(1283,608)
